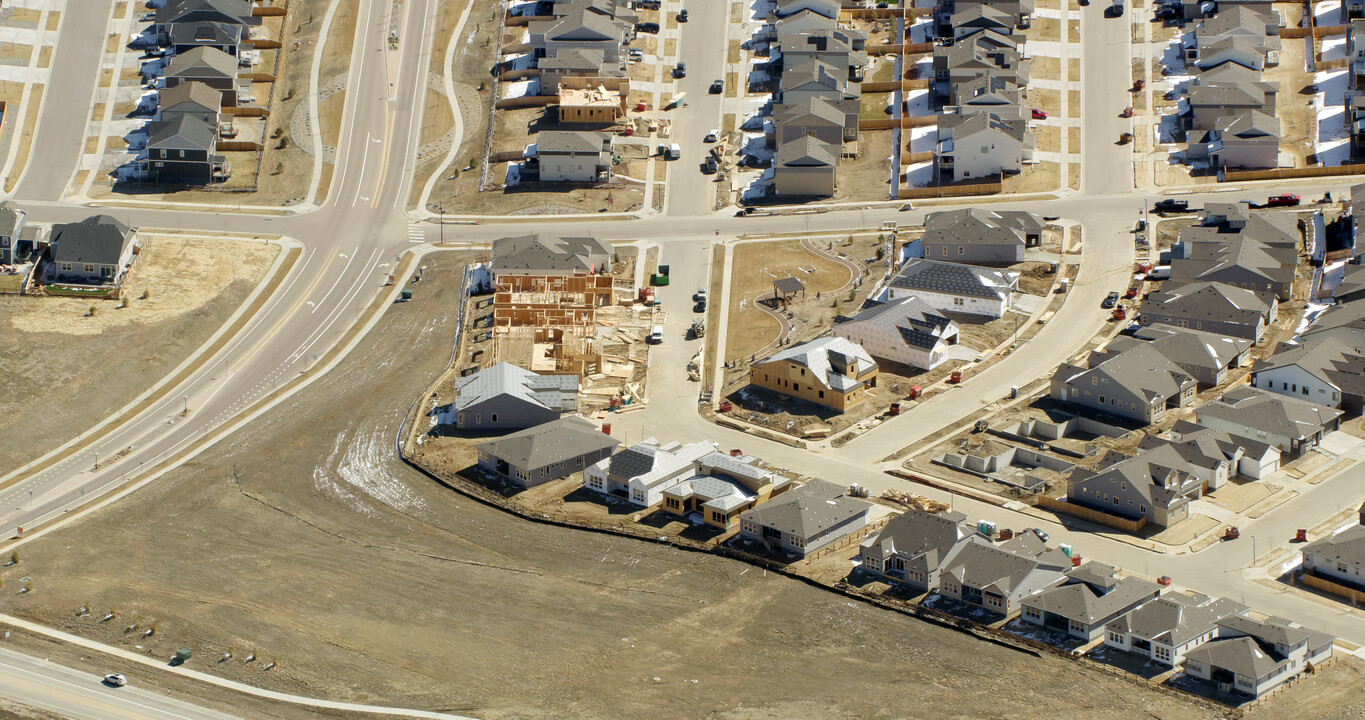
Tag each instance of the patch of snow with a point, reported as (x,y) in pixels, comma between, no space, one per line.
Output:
(919,174)
(917,103)
(923,139)
(521,88)
(363,467)
(1334,48)
(1289,565)
(1310,314)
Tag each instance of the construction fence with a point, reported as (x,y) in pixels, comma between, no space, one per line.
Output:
(1094,516)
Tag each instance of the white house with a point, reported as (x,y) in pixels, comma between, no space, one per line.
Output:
(1166,628)
(952,287)
(642,472)
(906,330)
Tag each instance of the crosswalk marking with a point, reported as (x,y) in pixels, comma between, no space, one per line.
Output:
(416,234)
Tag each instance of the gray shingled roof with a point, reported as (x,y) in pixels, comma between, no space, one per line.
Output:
(550,443)
(1347,546)
(1241,655)
(1079,601)
(553,392)
(181,132)
(98,239)
(202,62)
(1141,370)
(954,279)
(536,252)
(1335,358)
(916,533)
(808,510)
(1274,413)
(572,141)
(191,97)
(1214,301)
(1176,618)
(1188,348)
(977,226)
(917,323)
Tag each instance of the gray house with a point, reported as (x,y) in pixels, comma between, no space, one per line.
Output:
(1166,628)
(1253,657)
(12,221)
(547,452)
(1247,259)
(1206,356)
(997,577)
(1090,597)
(1206,447)
(572,156)
(1326,368)
(505,396)
(1212,307)
(538,255)
(1339,558)
(805,167)
(1284,421)
(174,12)
(574,62)
(182,150)
(807,518)
(1147,485)
(1139,384)
(192,98)
(915,545)
(210,66)
(977,235)
(227,37)
(813,116)
(95,251)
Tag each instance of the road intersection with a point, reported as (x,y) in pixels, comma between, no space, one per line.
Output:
(358,236)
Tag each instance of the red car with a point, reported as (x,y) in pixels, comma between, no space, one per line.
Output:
(1039,114)
(1286,200)
(1132,293)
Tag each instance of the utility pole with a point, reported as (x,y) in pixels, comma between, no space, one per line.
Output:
(441,209)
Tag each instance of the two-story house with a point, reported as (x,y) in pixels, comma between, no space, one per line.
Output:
(828,371)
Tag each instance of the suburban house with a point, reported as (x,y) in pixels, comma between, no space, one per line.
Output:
(189,12)
(828,371)
(1089,598)
(1138,384)
(824,8)
(212,67)
(980,18)
(1205,356)
(539,255)
(805,519)
(1246,259)
(1166,628)
(1253,657)
(805,167)
(194,99)
(722,487)
(975,235)
(906,330)
(815,117)
(952,287)
(580,29)
(98,250)
(1339,558)
(507,397)
(1281,420)
(1254,32)
(1352,285)
(1146,487)
(913,546)
(1019,12)
(556,449)
(12,221)
(816,78)
(1209,450)
(642,472)
(1212,307)
(574,62)
(1324,368)
(572,156)
(183,150)
(978,55)
(988,93)
(997,577)
(1244,139)
(980,145)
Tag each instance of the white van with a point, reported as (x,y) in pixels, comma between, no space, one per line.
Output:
(674,152)
(656,335)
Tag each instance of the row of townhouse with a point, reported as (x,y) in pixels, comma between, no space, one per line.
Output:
(1215,640)
(814,122)
(1232,245)
(207,42)
(1228,110)
(981,72)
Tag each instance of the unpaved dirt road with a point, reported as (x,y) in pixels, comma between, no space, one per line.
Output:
(369,582)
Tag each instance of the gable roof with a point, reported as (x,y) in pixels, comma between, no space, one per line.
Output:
(909,318)
(1249,123)
(806,151)
(1187,348)
(182,132)
(1336,358)
(573,142)
(1244,656)
(11,217)
(918,534)
(549,443)
(1175,618)
(955,279)
(558,254)
(1153,473)
(202,62)
(1082,602)
(1142,370)
(824,357)
(810,112)
(552,392)
(978,226)
(191,96)
(98,239)
(808,510)
(1214,301)
(1267,411)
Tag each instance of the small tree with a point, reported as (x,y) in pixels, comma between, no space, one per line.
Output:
(278,132)
(14,558)
(279,168)
(145,294)
(283,143)
(92,311)
(881,252)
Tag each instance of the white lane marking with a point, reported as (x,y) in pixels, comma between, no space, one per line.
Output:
(334,284)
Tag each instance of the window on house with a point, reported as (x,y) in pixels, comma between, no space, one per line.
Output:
(960,251)
(478,418)
(1305,389)
(66,267)
(822,394)
(91,268)
(493,417)
(182,153)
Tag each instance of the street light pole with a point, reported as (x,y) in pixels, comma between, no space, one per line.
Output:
(442,210)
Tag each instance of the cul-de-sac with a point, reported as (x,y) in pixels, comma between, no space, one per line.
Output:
(682,359)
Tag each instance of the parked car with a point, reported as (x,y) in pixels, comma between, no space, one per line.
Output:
(1171,206)
(682,15)
(656,335)
(700,306)
(717,86)
(1039,114)
(1110,300)
(647,27)
(712,136)
(115,679)
(1285,200)
(700,294)
(709,165)
(680,70)
(1039,532)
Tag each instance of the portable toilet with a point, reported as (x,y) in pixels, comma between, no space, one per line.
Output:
(1066,549)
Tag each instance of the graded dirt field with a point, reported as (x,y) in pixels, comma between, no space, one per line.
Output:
(83,367)
(368,581)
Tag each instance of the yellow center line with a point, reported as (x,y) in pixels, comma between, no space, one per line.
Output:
(280,323)
(102,709)
(384,160)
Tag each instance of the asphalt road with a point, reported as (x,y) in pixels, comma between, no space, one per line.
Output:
(82,696)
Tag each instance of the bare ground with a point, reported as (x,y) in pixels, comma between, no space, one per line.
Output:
(85,367)
(368,581)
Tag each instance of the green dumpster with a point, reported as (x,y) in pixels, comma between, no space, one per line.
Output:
(663,270)
(182,655)
(406,294)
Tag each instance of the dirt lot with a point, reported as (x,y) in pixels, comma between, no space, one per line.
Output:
(757,264)
(368,581)
(55,350)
